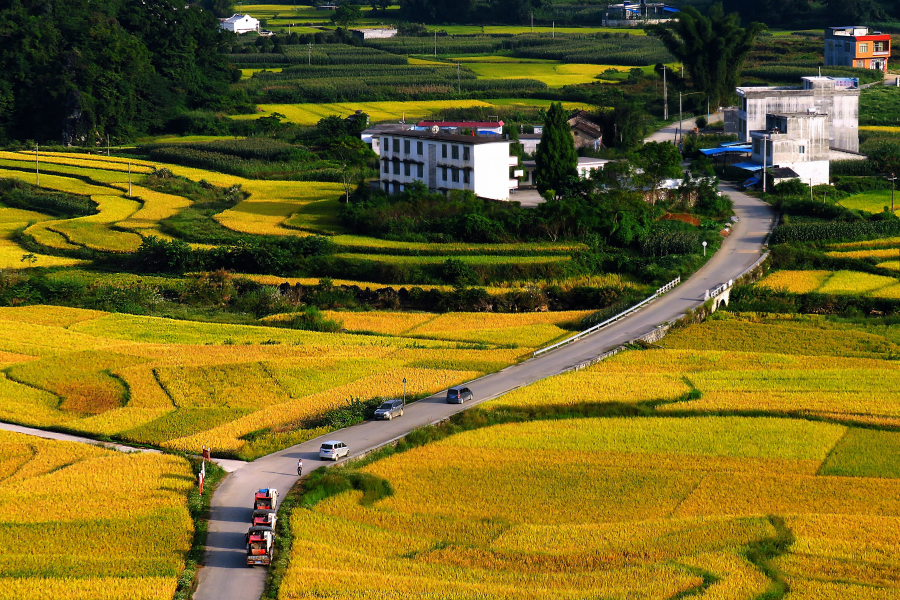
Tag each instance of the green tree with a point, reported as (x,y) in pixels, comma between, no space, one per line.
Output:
(555,159)
(346,15)
(712,48)
(856,11)
(220,8)
(658,161)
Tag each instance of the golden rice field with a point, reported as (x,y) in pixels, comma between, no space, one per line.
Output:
(833,282)
(888,242)
(85,523)
(873,202)
(287,208)
(310,114)
(611,508)
(520,329)
(553,74)
(183,384)
(655,507)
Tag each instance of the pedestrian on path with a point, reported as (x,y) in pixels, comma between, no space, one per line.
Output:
(299,467)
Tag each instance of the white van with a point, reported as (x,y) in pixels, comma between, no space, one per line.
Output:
(333,450)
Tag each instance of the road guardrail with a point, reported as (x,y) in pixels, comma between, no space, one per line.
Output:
(669,286)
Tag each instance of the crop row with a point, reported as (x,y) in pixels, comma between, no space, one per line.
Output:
(833,230)
(342,71)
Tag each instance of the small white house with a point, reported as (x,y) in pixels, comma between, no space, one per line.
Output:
(444,162)
(240,24)
(585,167)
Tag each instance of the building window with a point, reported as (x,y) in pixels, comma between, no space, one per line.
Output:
(831,45)
(419,148)
(444,151)
(420,170)
(387,187)
(801,149)
(444,172)
(406,168)
(455,152)
(848,46)
(387,144)
(396,145)
(406,146)
(863,48)
(465,153)
(386,169)
(396,167)
(465,176)
(878,46)
(454,173)
(757,147)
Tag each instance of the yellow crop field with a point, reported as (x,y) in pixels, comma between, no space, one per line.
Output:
(105,525)
(183,384)
(492,513)
(797,282)
(873,202)
(310,114)
(879,243)
(833,282)
(553,74)
(871,253)
(528,330)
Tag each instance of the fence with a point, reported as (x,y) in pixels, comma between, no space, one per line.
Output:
(730,283)
(612,320)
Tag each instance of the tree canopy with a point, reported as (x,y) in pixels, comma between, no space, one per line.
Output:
(75,71)
(555,158)
(712,48)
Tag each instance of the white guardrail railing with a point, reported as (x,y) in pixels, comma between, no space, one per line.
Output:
(610,321)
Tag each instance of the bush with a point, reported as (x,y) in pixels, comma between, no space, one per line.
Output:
(310,319)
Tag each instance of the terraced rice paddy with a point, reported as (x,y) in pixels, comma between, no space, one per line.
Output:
(182,384)
(873,202)
(553,74)
(310,114)
(653,507)
(834,282)
(100,524)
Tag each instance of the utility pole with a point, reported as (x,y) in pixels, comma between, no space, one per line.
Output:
(435,42)
(765,137)
(458,84)
(810,191)
(892,178)
(680,118)
(309,47)
(665,97)
(107,144)
(37,167)
(554,29)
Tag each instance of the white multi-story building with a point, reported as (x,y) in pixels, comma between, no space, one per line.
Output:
(795,141)
(240,24)
(835,98)
(444,162)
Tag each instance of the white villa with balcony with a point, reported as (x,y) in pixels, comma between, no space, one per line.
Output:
(444,162)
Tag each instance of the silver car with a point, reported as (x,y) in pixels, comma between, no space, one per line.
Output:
(333,450)
(390,409)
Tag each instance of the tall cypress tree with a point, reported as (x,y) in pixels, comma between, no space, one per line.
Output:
(555,159)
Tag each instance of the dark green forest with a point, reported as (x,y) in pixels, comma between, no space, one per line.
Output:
(77,71)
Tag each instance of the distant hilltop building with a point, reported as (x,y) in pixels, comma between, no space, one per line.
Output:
(635,13)
(240,24)
(853,46)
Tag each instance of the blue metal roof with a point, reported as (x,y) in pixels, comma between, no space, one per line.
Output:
(670,9)
(720,150)
(749,166)
(751,181)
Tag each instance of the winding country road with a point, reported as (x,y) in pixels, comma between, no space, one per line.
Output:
(225,575)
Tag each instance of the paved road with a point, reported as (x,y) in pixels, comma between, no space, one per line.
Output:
(225,575)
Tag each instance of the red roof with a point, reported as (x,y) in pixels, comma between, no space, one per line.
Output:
(461,123)
(875,38)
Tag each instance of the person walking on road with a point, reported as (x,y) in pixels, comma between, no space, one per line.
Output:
(299,467)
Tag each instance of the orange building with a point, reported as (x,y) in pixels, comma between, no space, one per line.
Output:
(853,46)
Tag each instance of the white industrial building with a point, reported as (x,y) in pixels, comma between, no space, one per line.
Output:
(374,33)
(795,141)
(444,162)
(835,98)
(240,24)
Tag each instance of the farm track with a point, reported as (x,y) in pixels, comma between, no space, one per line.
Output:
(225,575)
